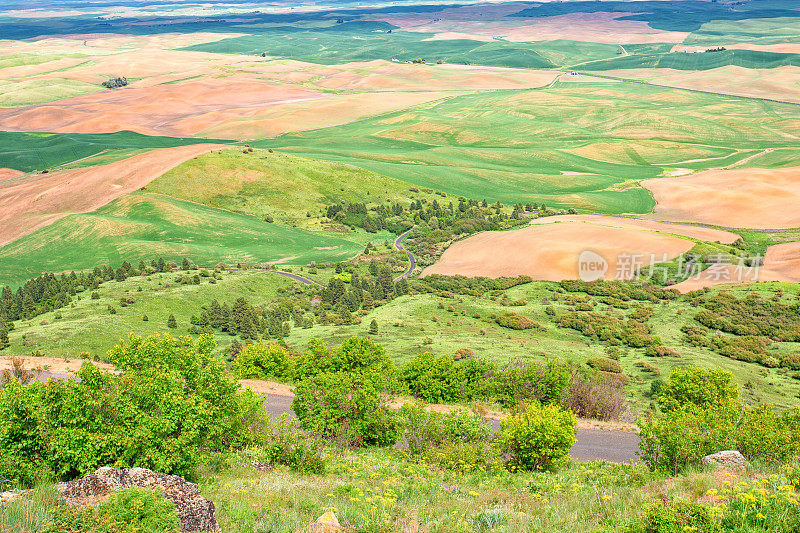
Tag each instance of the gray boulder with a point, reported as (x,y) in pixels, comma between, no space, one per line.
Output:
(196,512)
(726,459)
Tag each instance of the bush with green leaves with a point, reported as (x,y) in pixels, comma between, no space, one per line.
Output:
(423,428)
(262,360)
(702,413)
(171,402)
(700,387)
(356,354)
(133,510)
(349,407)
(283,443)
(519,382)
(443,379)
(537,437)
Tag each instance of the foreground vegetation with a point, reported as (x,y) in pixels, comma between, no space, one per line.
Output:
(174,408)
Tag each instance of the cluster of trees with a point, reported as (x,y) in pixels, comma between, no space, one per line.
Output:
(115,83)
(620,290)
(380,217)
(631,330)
(251,322)
(348,292)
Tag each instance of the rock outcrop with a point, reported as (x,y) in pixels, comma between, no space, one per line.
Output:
(726,459)
(196,512)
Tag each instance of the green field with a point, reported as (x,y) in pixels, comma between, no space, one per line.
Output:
(30,152)
(142,226)
(753,31)
(577,144)
(285,187)
(16,93)
(366,41)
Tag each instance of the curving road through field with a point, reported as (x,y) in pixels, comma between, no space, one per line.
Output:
(412,261)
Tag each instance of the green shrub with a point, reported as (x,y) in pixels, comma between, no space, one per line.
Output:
(537,438)
(443,379)
(604,364)
(284,444)
(348,407)
(134,510)
(423,429)
(263,361)
(171,401)
(547,384)
(356,354)
(516,321)
(699,387)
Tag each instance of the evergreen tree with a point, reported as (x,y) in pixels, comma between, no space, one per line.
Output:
(4,342)
(373,327)
(162,266)
(171,322)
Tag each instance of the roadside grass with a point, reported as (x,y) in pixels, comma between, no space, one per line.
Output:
(381,490)
(142,226)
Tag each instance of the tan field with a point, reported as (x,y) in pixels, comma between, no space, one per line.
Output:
(193,106)
(781,263)
(599,27)
(39,200)
(779,83)
(694,232)
(9,174)
(313,114)
(742,198)
(551,251)
(180,93)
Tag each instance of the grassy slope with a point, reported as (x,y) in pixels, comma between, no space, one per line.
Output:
(37,151)
(89,327)
(572,145)
(404,326)
(145,226)
(281,185)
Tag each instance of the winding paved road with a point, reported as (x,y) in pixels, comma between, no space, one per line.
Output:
(295,277)
(591,445)
(398,243)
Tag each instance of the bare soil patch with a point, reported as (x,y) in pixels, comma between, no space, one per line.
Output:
(599,27)
(695,232)
(737,198)
(39,200)
(53,365)
(551,251)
